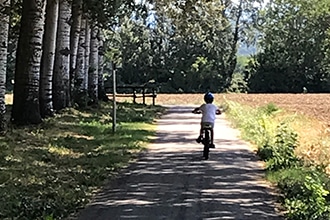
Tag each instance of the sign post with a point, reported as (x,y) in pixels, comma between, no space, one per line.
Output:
(114,107)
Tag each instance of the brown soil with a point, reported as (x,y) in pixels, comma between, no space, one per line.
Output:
(312,105)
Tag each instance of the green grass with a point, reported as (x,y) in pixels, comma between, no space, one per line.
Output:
(53,168)
(304,186)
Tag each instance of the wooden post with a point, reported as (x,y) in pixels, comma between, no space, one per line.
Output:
(144,95)
(134,96)
(154,95)
(114,107)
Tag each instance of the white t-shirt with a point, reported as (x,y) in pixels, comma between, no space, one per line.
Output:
(208,112)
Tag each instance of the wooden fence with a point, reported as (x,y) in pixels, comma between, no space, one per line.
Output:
(136,92)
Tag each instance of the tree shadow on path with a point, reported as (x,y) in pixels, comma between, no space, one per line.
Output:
(172,182)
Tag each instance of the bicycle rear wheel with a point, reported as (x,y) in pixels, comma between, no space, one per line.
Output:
(206,143)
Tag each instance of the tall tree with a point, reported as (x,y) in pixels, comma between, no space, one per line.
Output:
(74,39)
(48,57)
(193,43)
(294,48)
(135,51)
(26,89)
(199,45)
(14,28)
(87,46)
(80,78)
(61,77)
(4,26)
(101,90)
(93,65)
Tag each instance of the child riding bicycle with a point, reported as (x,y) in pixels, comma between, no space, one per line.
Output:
(209,112)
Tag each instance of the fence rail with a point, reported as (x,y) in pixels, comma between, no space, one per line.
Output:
(136,92)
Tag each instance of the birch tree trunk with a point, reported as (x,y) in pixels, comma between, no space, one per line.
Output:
(48,57)
(93,66)
(4,26)
(61,78)
(101,91)
(27,74)
(87,47)
(74,39)
(80,80)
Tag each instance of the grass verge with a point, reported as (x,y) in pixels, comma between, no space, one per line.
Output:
(50,170)
(304,185)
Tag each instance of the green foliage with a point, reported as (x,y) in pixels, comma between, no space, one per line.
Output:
(269,109)
(130,48)
(294,48)
(183,46)
(238,84)
(109,12)
(305,190)
(255,123)
(305,196)
(51,170)
(280,154)
(141,114)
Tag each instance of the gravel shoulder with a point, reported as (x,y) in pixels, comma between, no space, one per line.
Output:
(171,181)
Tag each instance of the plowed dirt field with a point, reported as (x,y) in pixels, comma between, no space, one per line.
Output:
(312,105)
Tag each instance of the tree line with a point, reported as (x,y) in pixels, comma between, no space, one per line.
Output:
(184,46)
(54,51)
(294,48)
(191,46)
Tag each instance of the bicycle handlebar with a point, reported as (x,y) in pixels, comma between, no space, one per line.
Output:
(199,112)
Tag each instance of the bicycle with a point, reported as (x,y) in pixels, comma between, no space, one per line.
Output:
(206,137)
(206,140)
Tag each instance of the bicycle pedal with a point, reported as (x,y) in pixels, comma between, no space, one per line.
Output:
(199,140)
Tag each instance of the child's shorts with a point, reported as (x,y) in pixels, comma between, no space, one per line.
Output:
(207,124)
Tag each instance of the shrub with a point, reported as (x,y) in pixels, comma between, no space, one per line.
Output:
(255,125)
(304,195)
(280,154)
(269,109)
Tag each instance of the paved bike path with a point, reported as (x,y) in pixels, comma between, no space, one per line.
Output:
(171,181)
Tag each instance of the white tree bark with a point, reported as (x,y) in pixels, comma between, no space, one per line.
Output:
(61,79)
(87,46)
(74,39)
(80,78)
(27,74)
(93,66)
(101,91)
(4,25)
(48,57)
